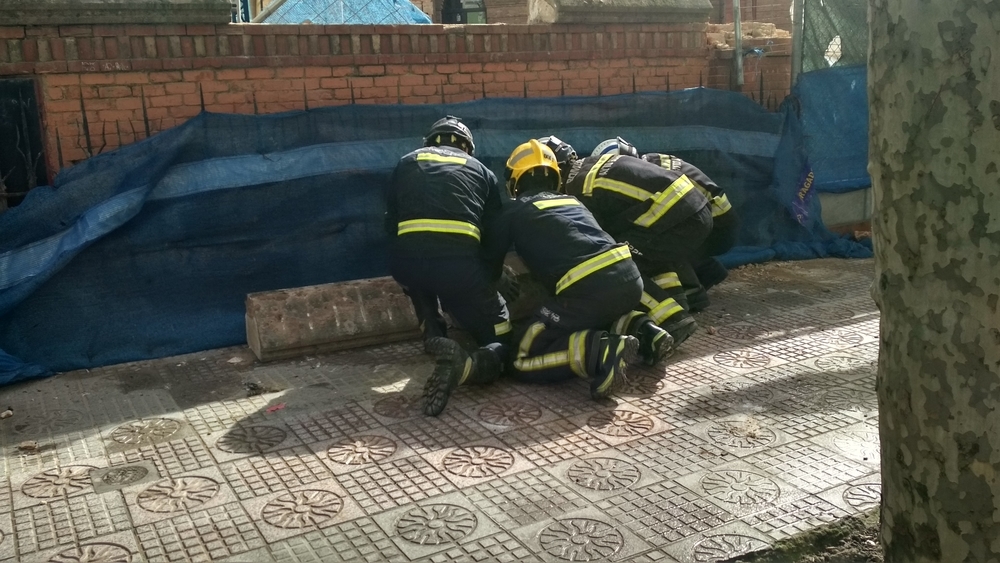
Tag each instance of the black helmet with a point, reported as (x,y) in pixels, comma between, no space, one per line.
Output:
(564,151)
(450,131)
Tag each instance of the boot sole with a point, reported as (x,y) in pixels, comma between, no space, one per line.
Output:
(662,350)
(630,355)
(449,364)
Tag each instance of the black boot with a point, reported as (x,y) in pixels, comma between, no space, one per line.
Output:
(614,354)
(655,344)
(697,299)
(452,365)
(681,329)
(710,273)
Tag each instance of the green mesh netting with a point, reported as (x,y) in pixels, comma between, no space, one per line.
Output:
(835,33)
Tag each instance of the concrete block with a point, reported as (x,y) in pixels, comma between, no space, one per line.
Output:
(846,209)
(326,318)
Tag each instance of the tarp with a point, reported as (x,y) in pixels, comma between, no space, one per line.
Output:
(335,12)
(150,250)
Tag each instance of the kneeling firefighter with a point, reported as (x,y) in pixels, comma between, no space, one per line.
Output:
(440,202)
(659,213)
(591,281)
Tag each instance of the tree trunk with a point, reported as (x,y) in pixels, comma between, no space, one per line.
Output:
(934,93)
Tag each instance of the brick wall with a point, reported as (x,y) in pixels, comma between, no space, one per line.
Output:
(127,79)
(774,68)
(507,11)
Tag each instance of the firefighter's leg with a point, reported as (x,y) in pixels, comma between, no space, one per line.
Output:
(662,296)
(655,344)
(547,354)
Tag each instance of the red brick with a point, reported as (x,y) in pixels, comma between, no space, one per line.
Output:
(76,30)
(98,78)
(259,73)
(181,88)
(114,91)
(387,81)
(318,72)
(333,83)
(411,80)
(293,72)
(231,74)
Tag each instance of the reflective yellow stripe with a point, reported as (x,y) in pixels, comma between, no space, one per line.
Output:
(438,226)
(431,157)
(467,371)
(577,353)
(648,301)
(610,379)
(663,201)
(602,260)
(588,181)
(623,188)
(667,280)
(545,204)
(624,321)
(501,329)
(524,363)
(666,309)
(704,192)
(720,205)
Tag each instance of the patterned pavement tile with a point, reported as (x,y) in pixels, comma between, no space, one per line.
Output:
(584,535)
(477,462)
(524,498)
(357,540)
(291,513)
(603,474)
(170,458)
(859,443)
(211,418)
(807,466)
(120,546)
(279,471)
(68,521)
(171,496)
(346,419)
(451,429)
(204,535)
(686,407)
(553,442)
(65,448)
(740,489)
(676,453)
(435,525)
(720,544)
(857,496)
(663,513)
(498,548)
(796,517)
(387,485)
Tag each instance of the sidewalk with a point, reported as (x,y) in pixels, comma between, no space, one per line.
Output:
(764,426)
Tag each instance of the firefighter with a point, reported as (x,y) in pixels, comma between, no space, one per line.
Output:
(708,271)
(590,279)
(658,212)
(440,198)
(704,271)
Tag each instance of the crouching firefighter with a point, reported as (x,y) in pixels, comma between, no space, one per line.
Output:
(591,281)
(660,214)
(440,197)
(708,271)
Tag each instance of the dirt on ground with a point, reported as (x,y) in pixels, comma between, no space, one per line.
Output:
(852,540)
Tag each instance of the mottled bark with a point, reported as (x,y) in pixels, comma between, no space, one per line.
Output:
(934,90)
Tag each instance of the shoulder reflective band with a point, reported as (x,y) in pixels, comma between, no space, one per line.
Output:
(588,181)
(501,329)
(667,280)
(623,188)
(602,260)
(438,226)
(431,157)
(720,205)
(663,201)
(547,203)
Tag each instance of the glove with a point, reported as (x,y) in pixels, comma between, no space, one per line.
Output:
(508,286)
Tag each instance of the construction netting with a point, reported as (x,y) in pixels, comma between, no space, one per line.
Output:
(835,33)
(150,250)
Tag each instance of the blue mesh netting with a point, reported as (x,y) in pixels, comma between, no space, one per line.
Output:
(150,250)
(332,12)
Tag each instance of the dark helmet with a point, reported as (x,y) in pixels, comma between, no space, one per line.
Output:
(450,131)
(616,146)
(564,151)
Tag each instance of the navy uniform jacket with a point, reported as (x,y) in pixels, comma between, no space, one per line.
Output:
(624,192)
(561,243)
(716,195)
(439,201)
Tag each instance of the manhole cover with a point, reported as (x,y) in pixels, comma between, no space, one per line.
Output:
(726,546)
(740,487)
(250,439)
(742,359)
(863,495)
(478,461)
(621,424)
(173,495)
(94,553)
(127,475)
(436,524)
(362,450)
(58,482)
(302,509)
(581,539)
(603,474)
(398,406)
(145,431)
(743,435)
(510,413)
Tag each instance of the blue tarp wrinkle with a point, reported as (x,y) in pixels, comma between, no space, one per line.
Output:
(150,250)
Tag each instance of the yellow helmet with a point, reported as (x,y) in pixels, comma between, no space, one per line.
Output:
(527,157)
